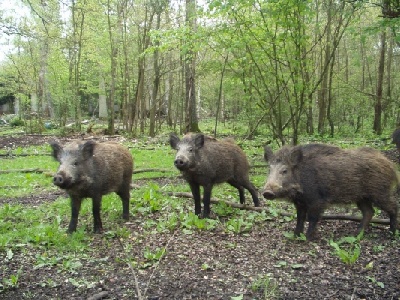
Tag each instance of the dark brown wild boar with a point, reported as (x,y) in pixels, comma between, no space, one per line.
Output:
(90,170)
(205,161)
(316,175)
(396,138)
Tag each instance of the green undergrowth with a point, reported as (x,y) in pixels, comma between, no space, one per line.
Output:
(155,209)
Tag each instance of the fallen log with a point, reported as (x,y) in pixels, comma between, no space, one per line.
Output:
(33,170)
(10,154)
(284,214)
(151,170)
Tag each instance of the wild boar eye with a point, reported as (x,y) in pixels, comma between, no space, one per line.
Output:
(284,171)
(190,149)
(75,163)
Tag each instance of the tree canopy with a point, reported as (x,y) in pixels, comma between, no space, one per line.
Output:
(292,67)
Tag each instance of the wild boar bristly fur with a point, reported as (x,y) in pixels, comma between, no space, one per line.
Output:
(205,161)
(315,176)
(90,170)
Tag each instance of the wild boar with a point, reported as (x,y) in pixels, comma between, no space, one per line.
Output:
(205,161)
(91,169)
(316,175)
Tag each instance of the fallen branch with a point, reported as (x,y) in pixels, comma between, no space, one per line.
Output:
(34,170)
(10,154)
(259,209)
(151,170)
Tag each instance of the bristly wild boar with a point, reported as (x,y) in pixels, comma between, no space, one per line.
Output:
(396,138)
(316,175)
(90,169)
(205,161)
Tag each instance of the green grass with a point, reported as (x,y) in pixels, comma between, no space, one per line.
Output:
(43,228)
(39,227)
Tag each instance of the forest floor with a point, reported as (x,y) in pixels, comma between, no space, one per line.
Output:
(259,264)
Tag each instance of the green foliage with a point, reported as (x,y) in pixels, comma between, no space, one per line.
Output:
(376,282)
(17,121)
(12,281)
(191,221)
(348,249)
(152,256)
(267,285)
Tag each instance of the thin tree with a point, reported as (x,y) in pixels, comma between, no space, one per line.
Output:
(191,120)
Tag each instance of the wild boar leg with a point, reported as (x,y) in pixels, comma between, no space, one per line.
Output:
(301,211)
(313,216)
(195,188)
(75,208)
(123,193)
(96,207)
(367,214)
(254,194)
(240,188)
(206,200)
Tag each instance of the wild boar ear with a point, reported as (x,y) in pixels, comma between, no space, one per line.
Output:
(56,149)
(199,140)
(268,154)
(296,156)
(87,149)
(173,141)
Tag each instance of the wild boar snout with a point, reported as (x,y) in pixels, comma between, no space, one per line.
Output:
(268,194)
(270,190)
(61,180)
(181,162)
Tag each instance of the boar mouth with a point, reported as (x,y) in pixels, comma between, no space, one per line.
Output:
(291,192)
(182,167)
(268,194)
(62,181)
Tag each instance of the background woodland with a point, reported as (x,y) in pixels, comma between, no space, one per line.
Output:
(286,68)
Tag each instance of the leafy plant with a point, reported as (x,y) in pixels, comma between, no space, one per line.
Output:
(268,285)
(238,225)
(348,249)
(191,221)
(291,236)
(374,281)
(169,223)
(12,281)
(223,210)
(152,197)
(154,256)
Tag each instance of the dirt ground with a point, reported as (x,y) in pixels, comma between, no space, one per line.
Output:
(260,264)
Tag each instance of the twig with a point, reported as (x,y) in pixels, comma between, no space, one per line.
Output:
(158,263)
(139,294)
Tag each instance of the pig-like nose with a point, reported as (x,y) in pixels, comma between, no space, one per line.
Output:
(58,180)
(179,163)
(268,194)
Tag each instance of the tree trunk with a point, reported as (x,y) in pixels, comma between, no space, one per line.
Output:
(322,95)
(157,77)
(191,121)
(102,98)
(379,86)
